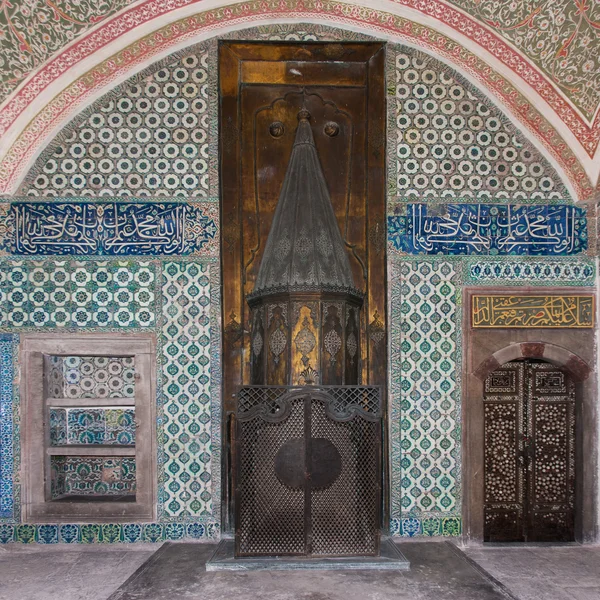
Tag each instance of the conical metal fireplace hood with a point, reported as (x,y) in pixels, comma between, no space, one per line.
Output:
(305,309)
(304,250)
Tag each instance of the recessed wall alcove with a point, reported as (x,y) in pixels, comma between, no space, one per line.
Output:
(413,319)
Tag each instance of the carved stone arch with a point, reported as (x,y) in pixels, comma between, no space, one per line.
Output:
(575,366)
(25,139)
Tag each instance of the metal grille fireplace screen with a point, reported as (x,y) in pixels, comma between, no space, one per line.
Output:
(307,470)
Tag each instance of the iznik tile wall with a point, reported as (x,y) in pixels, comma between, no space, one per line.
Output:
(83,426)
(90,376)
(154,138)
(471,202)
(425,363)
(92,475)
(77,294)
(191,445)
(150,137)
(185,317)
(452,142)
(9,434)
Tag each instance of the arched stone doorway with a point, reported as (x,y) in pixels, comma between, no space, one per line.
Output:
(586,440)
(529,453)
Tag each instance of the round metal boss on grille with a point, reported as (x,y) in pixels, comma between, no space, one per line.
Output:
(291,468)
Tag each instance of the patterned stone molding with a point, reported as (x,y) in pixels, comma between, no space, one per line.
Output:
(577,368)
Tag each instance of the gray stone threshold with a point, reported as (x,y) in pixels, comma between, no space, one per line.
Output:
(509,545)
(390,559)
(498,585)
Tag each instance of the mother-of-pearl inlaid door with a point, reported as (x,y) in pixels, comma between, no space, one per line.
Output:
(529,454)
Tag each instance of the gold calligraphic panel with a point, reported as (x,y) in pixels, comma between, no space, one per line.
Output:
(533,311)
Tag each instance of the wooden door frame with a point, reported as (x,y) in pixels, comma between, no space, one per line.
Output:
(485,350)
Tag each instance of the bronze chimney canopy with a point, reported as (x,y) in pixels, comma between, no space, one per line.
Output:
(305,309)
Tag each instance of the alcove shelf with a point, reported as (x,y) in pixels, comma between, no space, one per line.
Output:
(88,440)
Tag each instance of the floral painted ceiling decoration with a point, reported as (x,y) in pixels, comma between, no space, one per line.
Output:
(33,30)
(561,37)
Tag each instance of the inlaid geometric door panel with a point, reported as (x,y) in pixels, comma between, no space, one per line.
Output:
(529,454)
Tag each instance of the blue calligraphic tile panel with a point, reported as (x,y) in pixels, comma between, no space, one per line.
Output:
(492,229)
(108,228)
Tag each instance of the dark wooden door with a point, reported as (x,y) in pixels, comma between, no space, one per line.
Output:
(529,454)
(262,88)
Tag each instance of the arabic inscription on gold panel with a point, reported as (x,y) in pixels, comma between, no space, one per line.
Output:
(533,311)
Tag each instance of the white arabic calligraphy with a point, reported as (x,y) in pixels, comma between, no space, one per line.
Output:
(554,228)
(109,228)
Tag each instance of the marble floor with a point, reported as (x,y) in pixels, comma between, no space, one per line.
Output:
(67,572)
(542,572)
(439,571)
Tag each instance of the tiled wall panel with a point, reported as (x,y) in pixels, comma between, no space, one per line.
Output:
(425,392)
(77,294)
(155,137)
(186,462)
(7,427)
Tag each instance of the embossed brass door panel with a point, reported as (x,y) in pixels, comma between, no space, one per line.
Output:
(263,86)
(529,454)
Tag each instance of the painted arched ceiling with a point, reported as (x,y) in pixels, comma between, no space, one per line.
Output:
(559,37)
(538,58)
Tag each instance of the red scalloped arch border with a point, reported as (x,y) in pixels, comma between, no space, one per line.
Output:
(332,12)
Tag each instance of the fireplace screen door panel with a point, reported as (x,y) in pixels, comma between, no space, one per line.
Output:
(529,433)
(307,471)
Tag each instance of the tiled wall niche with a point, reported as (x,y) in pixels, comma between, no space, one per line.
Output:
(434,118)
(113,425)
(99,477)
(89,427)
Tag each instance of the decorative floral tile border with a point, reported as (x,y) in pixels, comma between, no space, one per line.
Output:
(108,533)
(426,526)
